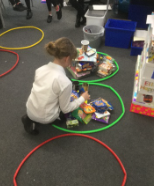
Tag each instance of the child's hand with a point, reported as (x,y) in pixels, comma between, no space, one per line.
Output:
(85,95)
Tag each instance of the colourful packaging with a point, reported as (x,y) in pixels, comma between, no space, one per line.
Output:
(103,119)
(106,68)
(87,119)
(74,95)
(85,64)
(110,107)
(81,116)
(101,105)
(88,109)
(78,114)
(72,123)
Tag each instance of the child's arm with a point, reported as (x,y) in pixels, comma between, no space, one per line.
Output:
(64,100)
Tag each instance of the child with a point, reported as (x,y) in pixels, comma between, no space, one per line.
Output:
(51,91)
(79,6)
(18,6)
(57,7)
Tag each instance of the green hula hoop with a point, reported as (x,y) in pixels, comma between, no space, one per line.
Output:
(97,80)
(103,128)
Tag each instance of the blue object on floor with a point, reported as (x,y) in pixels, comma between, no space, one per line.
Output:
(138,11)
(119,33)
(135,51)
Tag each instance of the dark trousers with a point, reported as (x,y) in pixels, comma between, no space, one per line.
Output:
(17,1)
(33,127)
(14,1)
(79,6)
(49,2)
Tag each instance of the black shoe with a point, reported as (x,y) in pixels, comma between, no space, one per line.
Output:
(83,22)
(29,14)
(49,19)
(29,125)
(59,13)
(19,7)
(77,24)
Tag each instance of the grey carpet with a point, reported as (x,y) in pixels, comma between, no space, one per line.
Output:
(70,161)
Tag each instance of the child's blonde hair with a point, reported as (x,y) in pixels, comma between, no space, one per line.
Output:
(60,48)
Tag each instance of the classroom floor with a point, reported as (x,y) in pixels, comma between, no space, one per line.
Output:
(69,161)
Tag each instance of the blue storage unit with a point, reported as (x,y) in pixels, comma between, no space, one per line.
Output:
(119,33)
(135,51)
(138,11)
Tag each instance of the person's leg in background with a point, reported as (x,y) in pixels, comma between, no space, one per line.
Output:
(29,12)
(57,7)
(81,2)
(61,3)
(49,19)
(17,5)
(79,6)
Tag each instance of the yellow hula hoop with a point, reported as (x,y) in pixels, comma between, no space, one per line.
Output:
(26,47)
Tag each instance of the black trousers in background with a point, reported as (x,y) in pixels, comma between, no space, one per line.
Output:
(14,1)
(79,6)
(17,1)
(49,2)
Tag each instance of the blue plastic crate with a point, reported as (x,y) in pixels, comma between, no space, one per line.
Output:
(138,13)
(135,51)
(119,33)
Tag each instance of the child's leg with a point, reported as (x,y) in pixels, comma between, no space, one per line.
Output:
(12,2)
(61,119)
(62,116)
(30,126)
(29,12)
(58,8)
(49,19)
(17,5)
(61,3)
(81,2)
(48,2)
(78,5)
(28,4)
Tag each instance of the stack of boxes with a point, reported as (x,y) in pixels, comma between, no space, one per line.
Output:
(143,96)
(84,65)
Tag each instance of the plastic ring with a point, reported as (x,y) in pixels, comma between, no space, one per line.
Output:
(103,128)
(97,80)
(65,135)
(13,65)
(26,47)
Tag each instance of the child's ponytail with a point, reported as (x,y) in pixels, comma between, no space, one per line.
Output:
(60,48)
(51,49)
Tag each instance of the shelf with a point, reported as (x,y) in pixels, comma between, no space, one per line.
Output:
(142,110)
(136,90)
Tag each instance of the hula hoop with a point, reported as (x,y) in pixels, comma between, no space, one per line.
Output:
(65,135)
(97,80)
(103,128)
(26,47)
(13,65)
